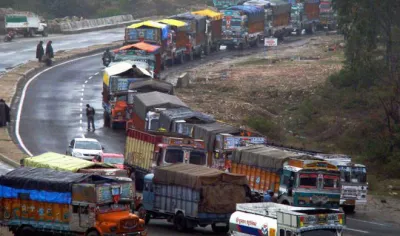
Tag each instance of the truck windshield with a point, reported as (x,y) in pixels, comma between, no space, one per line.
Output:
(197,158)
(308,181)
(325,6)
(350,174)
(173,156)
(112,208)
(331,182)
(318,232)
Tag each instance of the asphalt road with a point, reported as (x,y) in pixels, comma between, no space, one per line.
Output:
(21,50)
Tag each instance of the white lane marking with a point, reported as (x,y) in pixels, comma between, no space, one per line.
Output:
(80,122)
(83,85)
(82,94)
(90,77)
(23,94)
(83,90)
(86,82)
(80,115)
(81,99)
(83,136)
(357,230)
(96,73)
(364,221)
(80,104)
(81,109)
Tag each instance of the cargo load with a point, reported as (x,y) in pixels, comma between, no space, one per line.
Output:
(199,194)
(223,4)
(213,30)
(178,40)
(55,161)
(37,200)
(295,177)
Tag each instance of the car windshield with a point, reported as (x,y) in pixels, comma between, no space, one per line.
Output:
(174,156)
(114,160)
(88,145)
(308,181)
(197,158)
(325,232)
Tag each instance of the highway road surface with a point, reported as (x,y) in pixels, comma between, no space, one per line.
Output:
(21,50)
(53,113)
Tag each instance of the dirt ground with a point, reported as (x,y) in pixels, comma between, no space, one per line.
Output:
(237,89)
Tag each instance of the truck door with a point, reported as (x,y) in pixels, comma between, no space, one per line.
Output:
(83,215)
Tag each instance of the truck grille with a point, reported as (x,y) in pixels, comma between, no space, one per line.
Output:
(349,193)
(128,224)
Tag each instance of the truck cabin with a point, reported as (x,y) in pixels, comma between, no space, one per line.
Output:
(305,176)
(233,22)
(150,32)
(177,148)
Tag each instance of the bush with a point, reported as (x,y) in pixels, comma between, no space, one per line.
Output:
(265,126)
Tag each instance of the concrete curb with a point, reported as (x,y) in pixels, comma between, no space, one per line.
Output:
(8,161)
(103,27)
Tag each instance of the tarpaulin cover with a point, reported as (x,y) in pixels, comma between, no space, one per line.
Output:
(208,132)
(188,17)
(209,13)
(220,191)
(52,160)
(147,86)
(146,101)
(265,157)
(194,176)
(140,46)
(173,22)
(36,195)
(247,9)
(42,179)
(168,116)
(152,24)
(280,6)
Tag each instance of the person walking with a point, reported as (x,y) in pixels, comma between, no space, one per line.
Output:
(90,112)
(39,51)
(49,53)
(4,113)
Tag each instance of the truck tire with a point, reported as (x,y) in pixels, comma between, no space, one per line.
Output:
(31,33)
(142,213)
(107,119)
(26,230)
(181,58)
(191,55)
(180,222)
(207,50)
(349,209)
(220,229)
(298,31)
(93,233)
(230,47)
(44,33)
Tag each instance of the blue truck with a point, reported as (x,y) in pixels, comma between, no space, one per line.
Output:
(191,195)
(242,26)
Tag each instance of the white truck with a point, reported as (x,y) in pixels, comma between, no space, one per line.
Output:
(353,180)
(273,219)
(27,24)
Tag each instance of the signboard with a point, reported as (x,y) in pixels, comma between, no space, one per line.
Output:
(270,42)
(106,193)
(144,34)
(122,84)
(233,142)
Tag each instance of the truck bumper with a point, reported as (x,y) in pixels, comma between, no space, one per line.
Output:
(348,202)
(141,233)
(230,41)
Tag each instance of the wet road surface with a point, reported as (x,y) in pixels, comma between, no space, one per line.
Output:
(21,50)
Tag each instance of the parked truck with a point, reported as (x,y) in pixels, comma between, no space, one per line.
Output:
(305,16)
(191,195)
(150,32)
(148,106)
(146,150)
(196,33)
(277,17)
(242,26)
(327,15)
(353,179)
(27,24)
(273,219)
(140,52)
(117,100)
(37,201)
(52,160)
(177,40)
(213,29)
(299,179)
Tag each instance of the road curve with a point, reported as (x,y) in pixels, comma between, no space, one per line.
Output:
(21,50)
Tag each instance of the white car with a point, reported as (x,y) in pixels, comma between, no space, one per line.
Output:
(85,148)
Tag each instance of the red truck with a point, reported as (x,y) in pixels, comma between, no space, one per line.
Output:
(146,150)
(196,40)
(213,29)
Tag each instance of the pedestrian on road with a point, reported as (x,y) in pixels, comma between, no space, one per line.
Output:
(39,51)
(90,112)
(4,113)
(49,53)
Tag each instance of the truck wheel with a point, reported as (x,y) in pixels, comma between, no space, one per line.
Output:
(298,32)
(180,222)
(349,209)
(207,50)
(106,118)
(31,32)
(191,55)
(44,33)
(26,230)
(230,47)
(220,229)
(93,233)
(142,213)
(182,58)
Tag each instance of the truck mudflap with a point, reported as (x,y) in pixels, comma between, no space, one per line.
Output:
(210,218)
